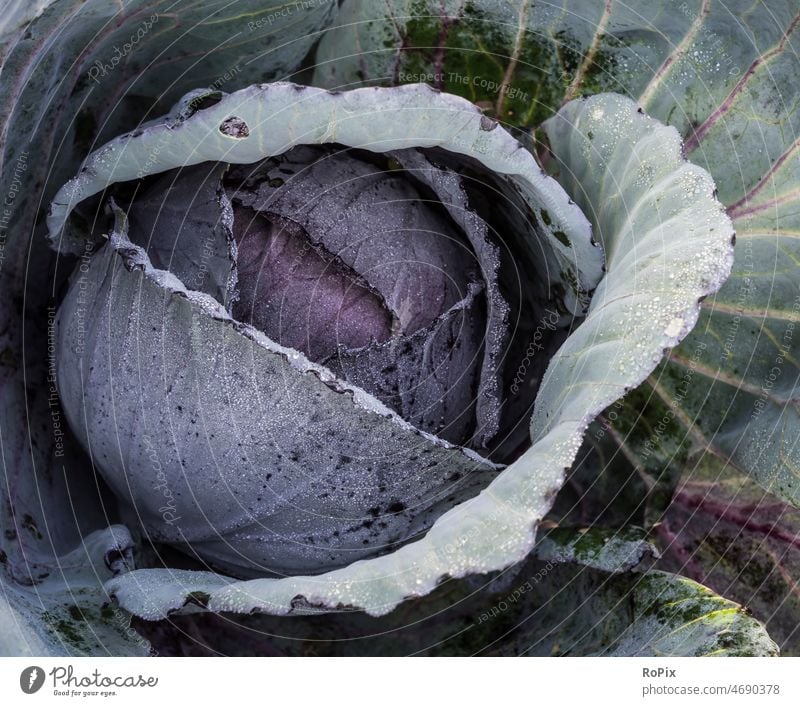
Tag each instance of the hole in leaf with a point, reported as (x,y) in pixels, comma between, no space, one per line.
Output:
(234,127)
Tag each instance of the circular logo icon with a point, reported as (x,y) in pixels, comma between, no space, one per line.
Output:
(31,679)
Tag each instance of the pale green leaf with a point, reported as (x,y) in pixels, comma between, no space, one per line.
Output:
(65,611)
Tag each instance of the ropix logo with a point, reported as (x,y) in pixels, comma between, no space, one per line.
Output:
(31,679)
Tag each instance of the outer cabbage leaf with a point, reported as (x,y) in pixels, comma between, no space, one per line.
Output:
(614,551)
(589,598)
(67,612)
(724,531)
(636,312)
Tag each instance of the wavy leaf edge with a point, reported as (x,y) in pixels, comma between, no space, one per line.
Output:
(497,528)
